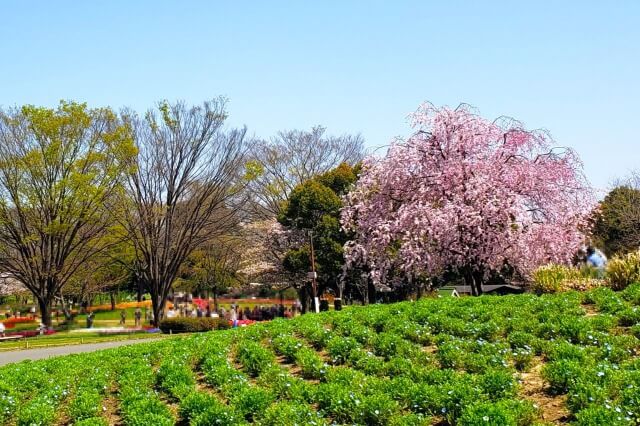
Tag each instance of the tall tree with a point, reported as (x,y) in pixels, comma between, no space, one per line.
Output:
(214,266)
(293,157)
(469,195)
(314,208)
(58,167)
(185,189)
(616,221)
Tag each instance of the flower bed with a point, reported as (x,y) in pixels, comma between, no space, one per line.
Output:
(466,361)
(11,322)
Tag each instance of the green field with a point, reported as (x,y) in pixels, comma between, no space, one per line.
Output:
(570,358)
(66,338)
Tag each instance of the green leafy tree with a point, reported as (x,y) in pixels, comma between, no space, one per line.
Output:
(58,169)
(616,223)
(213,268)
(314,208)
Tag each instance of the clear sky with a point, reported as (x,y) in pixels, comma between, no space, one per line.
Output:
(571,67)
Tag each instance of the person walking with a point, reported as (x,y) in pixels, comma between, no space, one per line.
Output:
(138,316)
(123,317)
(2,329)
(596,259)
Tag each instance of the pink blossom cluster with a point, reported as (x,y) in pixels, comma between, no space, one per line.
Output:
(466,193)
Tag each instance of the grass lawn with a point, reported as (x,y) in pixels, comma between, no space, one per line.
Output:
(69,338)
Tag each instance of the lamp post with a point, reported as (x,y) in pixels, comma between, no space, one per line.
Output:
(313,275)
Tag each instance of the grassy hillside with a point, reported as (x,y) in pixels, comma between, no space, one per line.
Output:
(513,360)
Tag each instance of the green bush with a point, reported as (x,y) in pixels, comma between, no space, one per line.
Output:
(254,357)
(562,374)
(629,317)
(378,409)
(92,421)
(192,325)
(624,270)
(498,384)
(87,403)
(503,413)
(551,278)
(598,415)
(288,413)
(215,413)
(310,363)
(251,402)
(38,412)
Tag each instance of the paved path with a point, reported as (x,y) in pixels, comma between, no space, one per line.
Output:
(9,357)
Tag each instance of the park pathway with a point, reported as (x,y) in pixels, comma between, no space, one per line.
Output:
(9,357)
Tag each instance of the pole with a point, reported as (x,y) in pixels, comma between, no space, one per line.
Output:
(314,287)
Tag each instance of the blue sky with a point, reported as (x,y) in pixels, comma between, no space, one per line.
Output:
(353,66)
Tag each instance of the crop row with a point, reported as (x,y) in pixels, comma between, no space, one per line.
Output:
(445,361)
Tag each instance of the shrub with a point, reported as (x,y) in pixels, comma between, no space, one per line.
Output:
(340,347)
(378,409)
(598,415)
(86,404)
(311,365)
(629,317)
(192,325)
(92,421)
(287,346)
(624,270)
(504,413)
(39,412)
(557,278)
(287,413)
(251,402)
(176,379)
(195,403)
(254,357)
(216,413)
(498,384)
(562,374)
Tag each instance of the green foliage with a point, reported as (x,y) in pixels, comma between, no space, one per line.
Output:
(286,413)
(191,325)
(505,412)
(554,278)
(624,270)
(467,374)
(315,205)
(254,357)
(616,224)
(251,402)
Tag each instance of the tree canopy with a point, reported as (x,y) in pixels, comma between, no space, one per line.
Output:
(466,194)
(616,221)
(59,168)
(314,207)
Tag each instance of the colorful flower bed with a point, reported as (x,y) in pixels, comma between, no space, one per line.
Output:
(513,360)
(11,322)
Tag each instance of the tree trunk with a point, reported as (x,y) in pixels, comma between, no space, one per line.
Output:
(113,300)
(157,305)
(478,278)
(139,288)
(215,300)
(304,299)
(474,279)
(45,311)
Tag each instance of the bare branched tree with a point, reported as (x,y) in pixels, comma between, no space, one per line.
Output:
(293,157)
(184,188)
(57,169)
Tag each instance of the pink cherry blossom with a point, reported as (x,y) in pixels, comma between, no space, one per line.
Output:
(466,194)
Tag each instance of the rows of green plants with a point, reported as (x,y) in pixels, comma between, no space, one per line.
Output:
(436,361)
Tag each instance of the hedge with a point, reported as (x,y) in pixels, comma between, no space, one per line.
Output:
(191,325)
